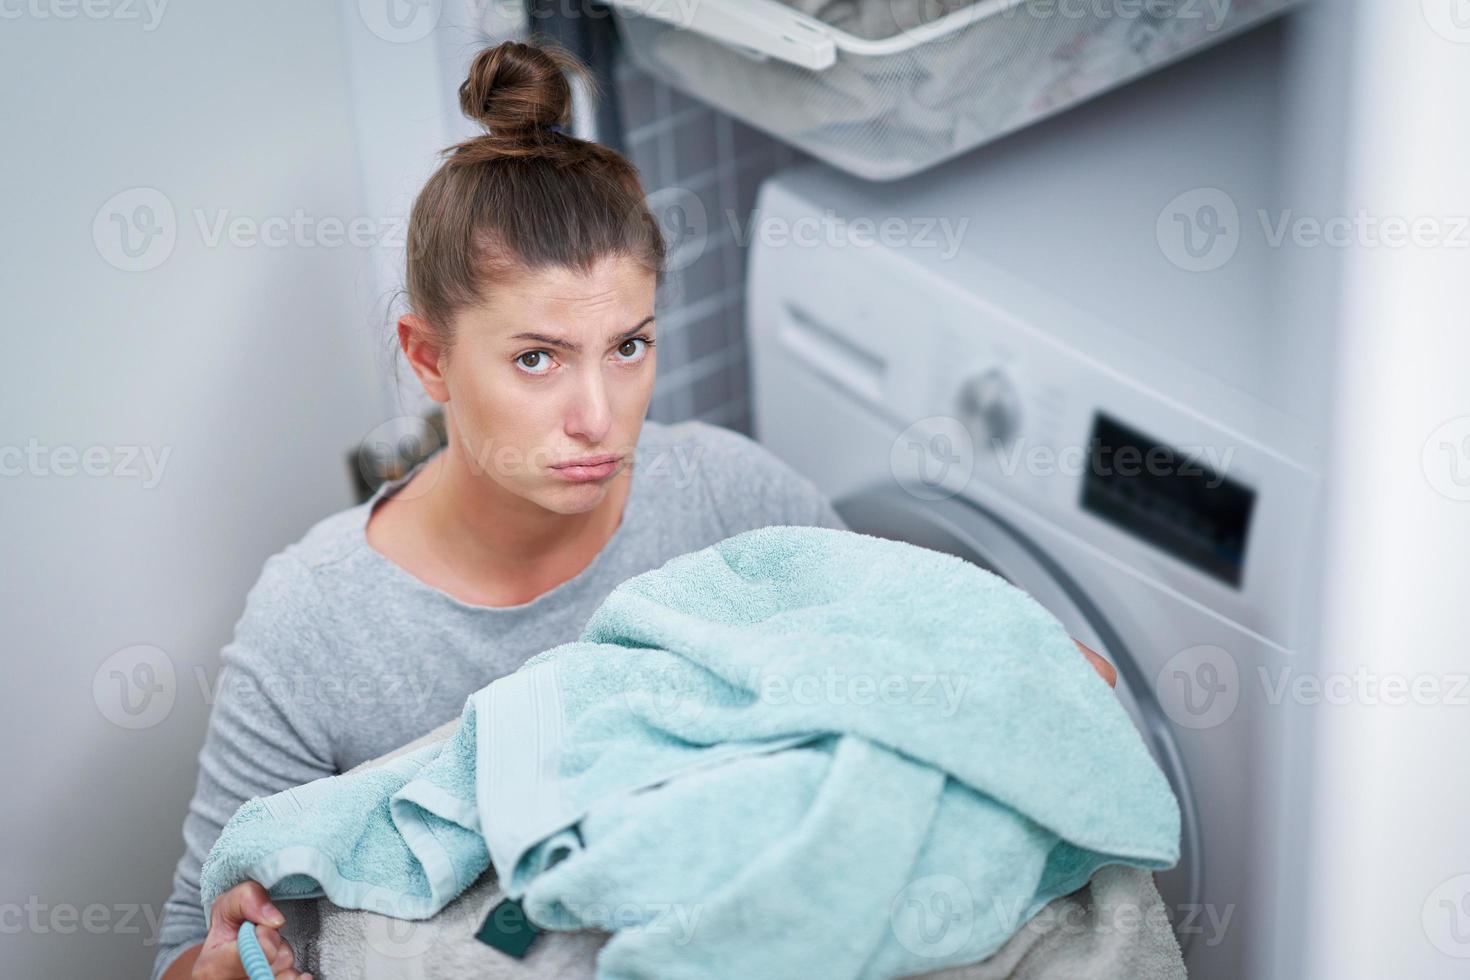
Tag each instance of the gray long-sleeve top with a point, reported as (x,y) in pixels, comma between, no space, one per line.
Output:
(341,656)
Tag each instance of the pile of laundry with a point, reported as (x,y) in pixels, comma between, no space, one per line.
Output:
(927,100)
(798,752)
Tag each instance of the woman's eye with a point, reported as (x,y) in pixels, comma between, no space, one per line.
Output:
(636,352)
(534,362)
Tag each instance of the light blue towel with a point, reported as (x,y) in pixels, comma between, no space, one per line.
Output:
(402,839)
(810,752)
(799,752)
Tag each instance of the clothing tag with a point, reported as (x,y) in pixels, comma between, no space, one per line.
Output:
(507,928)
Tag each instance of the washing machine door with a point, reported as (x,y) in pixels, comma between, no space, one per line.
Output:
(966,530)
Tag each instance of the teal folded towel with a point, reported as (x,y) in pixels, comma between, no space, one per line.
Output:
(798,752)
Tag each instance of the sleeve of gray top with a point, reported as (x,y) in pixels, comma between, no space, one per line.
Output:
(809,506)
(804,504)
(756,488)
(262,735)
(826,515)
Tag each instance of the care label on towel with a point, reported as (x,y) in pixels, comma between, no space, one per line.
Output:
(507,928)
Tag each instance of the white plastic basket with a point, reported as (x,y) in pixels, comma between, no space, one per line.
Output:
(900,85)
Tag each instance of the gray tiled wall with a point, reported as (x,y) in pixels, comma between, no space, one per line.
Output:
(687,151)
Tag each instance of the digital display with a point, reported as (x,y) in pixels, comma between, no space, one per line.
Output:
(1173,500)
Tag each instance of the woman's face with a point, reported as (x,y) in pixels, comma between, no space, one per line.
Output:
(557,366)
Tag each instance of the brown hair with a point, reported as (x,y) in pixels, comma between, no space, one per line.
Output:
(522,196)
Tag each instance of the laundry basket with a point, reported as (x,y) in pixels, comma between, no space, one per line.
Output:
(886,88)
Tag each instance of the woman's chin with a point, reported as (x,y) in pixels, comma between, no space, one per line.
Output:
(573,497)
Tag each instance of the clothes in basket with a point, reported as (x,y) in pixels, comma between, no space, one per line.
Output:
(625,766)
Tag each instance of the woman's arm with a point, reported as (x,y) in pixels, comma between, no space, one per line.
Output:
(183,967)
(263,735)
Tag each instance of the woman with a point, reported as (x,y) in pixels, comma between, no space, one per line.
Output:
(532,269)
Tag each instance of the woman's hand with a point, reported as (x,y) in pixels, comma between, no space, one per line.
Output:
(219,957)
(1108,671)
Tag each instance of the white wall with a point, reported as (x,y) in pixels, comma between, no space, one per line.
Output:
(246,370)
(405,63)
(1388,888)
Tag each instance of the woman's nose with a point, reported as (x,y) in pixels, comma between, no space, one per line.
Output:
(590,412)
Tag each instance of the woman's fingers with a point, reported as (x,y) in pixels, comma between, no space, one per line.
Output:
(1107,671)
(282,959)
(247,902)
(277,951)
(270,941)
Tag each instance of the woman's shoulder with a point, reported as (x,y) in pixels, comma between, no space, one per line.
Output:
(297,576)
(747,483)
(694,447)
(706,436)
(333,538)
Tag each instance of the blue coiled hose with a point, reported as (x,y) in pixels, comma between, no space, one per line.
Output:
(251,955)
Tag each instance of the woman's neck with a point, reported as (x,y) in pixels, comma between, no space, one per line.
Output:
(470,507)
(460,531)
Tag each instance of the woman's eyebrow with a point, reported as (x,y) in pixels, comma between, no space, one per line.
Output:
(575,347)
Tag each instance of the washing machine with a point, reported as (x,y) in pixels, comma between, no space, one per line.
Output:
(1068,358)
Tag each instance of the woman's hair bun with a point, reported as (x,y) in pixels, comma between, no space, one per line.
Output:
(516,89)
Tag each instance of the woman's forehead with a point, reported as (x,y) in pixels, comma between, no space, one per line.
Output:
(612,296)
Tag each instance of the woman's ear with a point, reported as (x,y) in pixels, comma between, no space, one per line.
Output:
(425,352)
